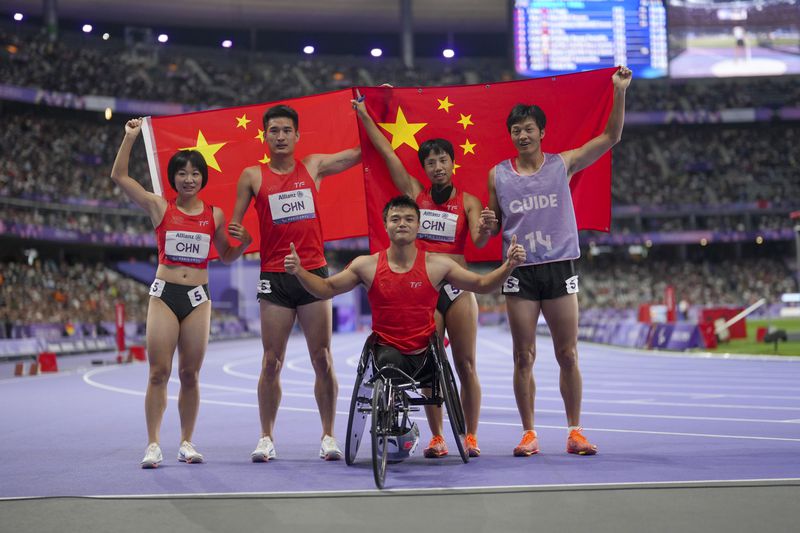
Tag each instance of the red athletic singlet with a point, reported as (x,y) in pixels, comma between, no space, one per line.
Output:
(403,305)
(185,240)
(286,207)
(443,227)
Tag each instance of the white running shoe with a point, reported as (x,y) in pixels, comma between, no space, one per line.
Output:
(264,451)
(187,453)
(152,456)
(329,449)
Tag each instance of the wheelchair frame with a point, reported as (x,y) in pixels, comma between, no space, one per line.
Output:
(385,396)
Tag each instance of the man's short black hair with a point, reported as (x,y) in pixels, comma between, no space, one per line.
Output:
(281,111)
(436,146)
(399,202)
(179,160)
(521,112)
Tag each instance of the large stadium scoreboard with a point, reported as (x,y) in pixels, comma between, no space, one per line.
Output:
(563,36)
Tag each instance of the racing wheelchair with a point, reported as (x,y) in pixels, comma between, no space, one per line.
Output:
(387,395)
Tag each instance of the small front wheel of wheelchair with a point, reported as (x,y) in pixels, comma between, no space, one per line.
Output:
(380,427)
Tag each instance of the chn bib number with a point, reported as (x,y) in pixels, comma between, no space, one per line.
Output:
(187,246)
(437,225)
(289,206)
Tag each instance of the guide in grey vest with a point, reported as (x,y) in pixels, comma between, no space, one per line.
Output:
(537,208)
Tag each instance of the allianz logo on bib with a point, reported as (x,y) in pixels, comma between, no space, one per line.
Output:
(533,202)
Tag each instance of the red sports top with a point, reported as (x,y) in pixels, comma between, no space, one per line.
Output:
(403,305)
(442,228)
(286,207)
(185,240)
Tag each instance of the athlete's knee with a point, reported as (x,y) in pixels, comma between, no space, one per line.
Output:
(159,375)
(524,357)
(271,366)
(321,360)
(465,367)
(189,376)
(567,355)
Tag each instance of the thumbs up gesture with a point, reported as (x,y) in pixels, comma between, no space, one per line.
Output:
(516,253)
(291,263)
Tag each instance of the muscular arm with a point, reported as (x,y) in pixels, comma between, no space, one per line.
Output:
(580,158)
(153,204)
(322,165)
(492,215)
(462,278)
(244,194)
(479,229)
(227,253)
(404,182)
(325,288)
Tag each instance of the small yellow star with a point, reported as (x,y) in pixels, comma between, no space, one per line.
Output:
(456,166)
(468,147)
(265,160)
(402,131)
(242,121)
(466,120)
(445,104)
(260,135)
(207,150)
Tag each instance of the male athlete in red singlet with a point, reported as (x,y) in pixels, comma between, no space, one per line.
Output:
(403,284)
(285,192)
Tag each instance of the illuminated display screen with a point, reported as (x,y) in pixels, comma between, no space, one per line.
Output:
(559,37)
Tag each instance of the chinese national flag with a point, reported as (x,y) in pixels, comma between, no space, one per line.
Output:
(231,139)
(473,119)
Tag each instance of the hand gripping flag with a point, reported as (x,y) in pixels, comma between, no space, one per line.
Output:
(473,119)
(231,139)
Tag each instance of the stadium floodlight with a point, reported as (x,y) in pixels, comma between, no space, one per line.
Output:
(227,43)
(308,49)
(448,53)
(106,36)
(376,52)
(87,28)
(163,38)
(18,17)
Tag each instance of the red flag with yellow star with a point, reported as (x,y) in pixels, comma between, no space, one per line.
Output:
(231,139)
(473,119)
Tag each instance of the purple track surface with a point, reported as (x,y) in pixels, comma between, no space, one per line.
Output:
(656,418)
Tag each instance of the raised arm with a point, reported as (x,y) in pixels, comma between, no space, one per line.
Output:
(227,253)
(404,182)
(580,158)
(470,281)
(323,288)
(322,165)
(244,194)
(154,205)
(491,215)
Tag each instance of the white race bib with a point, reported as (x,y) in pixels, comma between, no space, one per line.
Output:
(289,206)
(197,295)
(187,246)
(157,288)
(452,292)
(572,285)
(264,286)
(437,225)
(511,285)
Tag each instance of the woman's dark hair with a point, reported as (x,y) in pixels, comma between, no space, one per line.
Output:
(281,111)
(522,112)
(436,146)
(399,202)
(180,159)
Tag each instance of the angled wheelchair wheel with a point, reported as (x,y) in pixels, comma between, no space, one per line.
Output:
(381,421)
(453,403)
(360,405)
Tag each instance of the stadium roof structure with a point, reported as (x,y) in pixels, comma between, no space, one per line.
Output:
(294,15)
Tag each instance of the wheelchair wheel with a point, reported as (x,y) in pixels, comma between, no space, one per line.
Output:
(381,420)
(360,403)
(454,410)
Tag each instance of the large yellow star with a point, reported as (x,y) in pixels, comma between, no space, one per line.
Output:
(468,147)
(208,150)
(242,121)
(260,135)
(466,120)
(445,104)
(265,160)
(402,131)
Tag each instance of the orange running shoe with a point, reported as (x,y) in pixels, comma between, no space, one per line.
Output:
(437,447)
(577,443)
(529,445)
(471,444)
